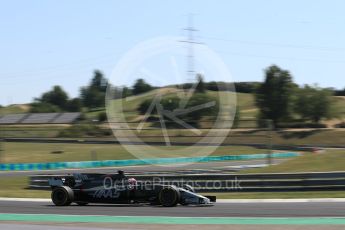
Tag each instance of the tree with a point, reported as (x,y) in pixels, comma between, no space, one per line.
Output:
(140,86)
(42,107)
(246,87)
(126,92)
(99,82)
(55,100)
(200,88)
(240,87)
(274,96)
(313,103)
(57,96)
(74,105)
(212,85)
(340,92)
(93,96)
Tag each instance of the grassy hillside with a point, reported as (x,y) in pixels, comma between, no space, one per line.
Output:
(330,160)
(245,103)
(14,109)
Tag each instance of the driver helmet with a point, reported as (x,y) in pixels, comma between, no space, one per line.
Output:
(132,181)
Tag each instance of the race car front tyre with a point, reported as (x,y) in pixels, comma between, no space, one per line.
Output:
(169,196)
(62,196)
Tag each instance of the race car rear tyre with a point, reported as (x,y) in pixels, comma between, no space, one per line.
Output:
(62,196)
(169,196)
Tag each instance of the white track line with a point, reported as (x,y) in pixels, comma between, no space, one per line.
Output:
(305,200)
(25,199)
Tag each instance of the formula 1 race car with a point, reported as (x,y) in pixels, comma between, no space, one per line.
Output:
(118,189)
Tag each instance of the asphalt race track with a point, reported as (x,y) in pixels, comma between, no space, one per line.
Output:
(297,209)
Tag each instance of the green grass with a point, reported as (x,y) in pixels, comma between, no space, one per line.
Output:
(41,131)
(17,187)
(310,137)
(331,160)
(42,152)
(287,137)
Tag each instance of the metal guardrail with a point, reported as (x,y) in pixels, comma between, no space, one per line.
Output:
(275,182)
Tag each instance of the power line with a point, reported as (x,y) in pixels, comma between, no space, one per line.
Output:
(280,57)
(323,48)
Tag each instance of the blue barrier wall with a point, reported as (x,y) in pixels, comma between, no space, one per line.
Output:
(131,162)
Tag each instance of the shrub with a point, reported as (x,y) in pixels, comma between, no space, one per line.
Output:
(298,125)
(140,86)
(102,116)
(42,107)
(340,125)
